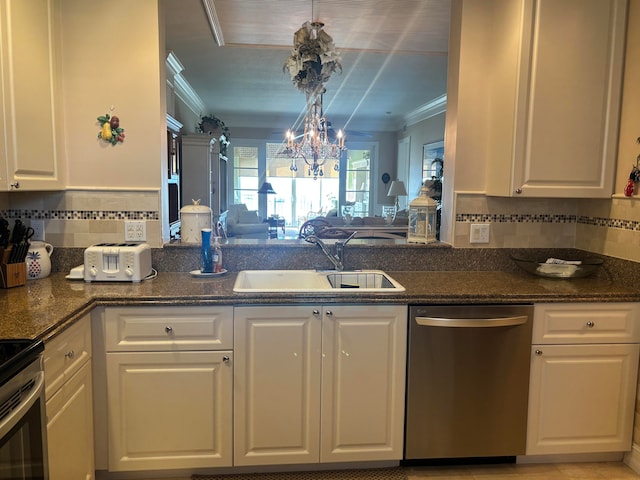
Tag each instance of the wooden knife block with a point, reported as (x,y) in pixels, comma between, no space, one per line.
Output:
(13,274)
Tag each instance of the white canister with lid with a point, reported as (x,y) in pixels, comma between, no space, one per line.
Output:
(193,218)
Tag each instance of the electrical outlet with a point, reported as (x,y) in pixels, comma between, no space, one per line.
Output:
(479,233)
(38,229)
(135,231)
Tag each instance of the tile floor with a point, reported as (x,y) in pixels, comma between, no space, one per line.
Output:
(561,471)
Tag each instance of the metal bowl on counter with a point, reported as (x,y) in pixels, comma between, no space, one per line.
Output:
(558,268)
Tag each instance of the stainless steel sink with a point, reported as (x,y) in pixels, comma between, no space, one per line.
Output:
(363,280)
(315,281)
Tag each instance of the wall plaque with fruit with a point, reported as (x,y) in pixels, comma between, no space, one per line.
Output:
(110,130)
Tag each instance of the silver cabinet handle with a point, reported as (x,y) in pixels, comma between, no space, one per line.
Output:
(70,354)
(329,313)
(518,191)
(316,312)
(590,324)
(471,322)
(538,352)
(226,359)
(168,329)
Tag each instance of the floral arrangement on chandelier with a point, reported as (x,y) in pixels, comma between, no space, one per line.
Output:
(313,58)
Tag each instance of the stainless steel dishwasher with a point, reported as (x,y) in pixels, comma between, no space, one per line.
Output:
(467,381)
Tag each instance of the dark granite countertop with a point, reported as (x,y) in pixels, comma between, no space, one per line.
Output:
(44,307)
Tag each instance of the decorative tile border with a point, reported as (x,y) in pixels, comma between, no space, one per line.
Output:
(548,218)
(79,214)
(514,218)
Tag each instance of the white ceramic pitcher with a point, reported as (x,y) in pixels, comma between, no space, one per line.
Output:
(38,260)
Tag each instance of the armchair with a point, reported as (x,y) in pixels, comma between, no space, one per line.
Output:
(239,222)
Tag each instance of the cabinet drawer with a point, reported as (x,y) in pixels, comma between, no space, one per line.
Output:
(586,323)
(65,354)
(168,328)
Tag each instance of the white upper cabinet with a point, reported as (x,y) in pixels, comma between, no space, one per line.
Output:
(30,129)
(555,125)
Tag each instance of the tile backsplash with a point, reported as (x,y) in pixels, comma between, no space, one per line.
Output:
(83,218)
(79,218)
(606,226)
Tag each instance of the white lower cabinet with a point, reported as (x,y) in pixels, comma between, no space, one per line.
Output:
(319,383)
(584,365)
(69,404)
(169,387)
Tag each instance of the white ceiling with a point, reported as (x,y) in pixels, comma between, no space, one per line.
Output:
(393,54)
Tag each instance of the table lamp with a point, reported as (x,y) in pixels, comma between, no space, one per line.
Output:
(267,189)
(397,189)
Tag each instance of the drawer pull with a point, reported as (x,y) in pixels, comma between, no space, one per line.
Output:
(590,324)
(316,312)
(168,329)
(70,354)
(329,313)
(226,359)
(538,352)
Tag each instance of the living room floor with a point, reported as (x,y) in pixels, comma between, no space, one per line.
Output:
(559,471)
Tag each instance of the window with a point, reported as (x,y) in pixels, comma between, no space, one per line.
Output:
(357,183)
(343,188)
(298,196)
(245,176)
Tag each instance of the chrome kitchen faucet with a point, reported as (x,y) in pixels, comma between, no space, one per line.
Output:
(337,259)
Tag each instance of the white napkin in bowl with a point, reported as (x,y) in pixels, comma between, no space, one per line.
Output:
(558,267)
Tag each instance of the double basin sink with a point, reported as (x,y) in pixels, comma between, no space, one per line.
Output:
(315,281)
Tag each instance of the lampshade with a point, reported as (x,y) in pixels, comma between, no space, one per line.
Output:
(267,188)
(397,188)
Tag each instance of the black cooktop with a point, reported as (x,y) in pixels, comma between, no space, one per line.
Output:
(17,354)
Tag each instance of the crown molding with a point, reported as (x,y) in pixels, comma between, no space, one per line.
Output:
(174,65)
(428,110)
(173,124)
(185,92)
(214,23)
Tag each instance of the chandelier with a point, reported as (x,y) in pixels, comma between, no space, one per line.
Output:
(311,63)
(315,146)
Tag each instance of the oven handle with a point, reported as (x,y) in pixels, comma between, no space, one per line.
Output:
(16,415)
(471,322)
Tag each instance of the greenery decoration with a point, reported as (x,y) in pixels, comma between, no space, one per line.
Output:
(211,124)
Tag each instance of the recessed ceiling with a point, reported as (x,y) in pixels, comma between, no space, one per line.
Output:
(393,54)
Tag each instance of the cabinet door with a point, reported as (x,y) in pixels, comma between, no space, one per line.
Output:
(31,128)
(581,398)
(277,385)
(65,354)
(363,382)
(567,103)
(169,410)
(70,429)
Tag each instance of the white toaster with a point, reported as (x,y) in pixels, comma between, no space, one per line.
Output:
(117,262)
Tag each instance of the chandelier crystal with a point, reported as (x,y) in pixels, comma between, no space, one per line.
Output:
(315,146)
(311,63)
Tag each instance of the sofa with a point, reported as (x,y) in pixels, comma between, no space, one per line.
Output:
(240,222)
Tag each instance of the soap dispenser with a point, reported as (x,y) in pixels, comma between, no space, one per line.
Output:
(217,255)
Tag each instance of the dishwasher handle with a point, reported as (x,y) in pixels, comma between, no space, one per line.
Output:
(471,322)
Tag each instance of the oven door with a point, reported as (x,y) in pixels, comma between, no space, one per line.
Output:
(22,426)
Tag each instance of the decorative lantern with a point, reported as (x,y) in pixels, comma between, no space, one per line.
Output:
(422,218)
